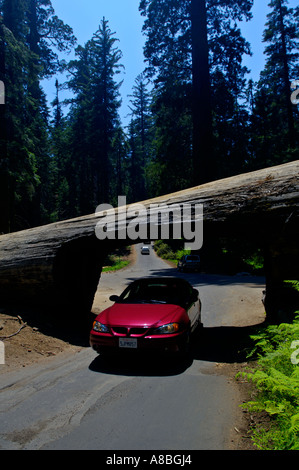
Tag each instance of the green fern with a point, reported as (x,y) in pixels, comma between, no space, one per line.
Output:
(276,379)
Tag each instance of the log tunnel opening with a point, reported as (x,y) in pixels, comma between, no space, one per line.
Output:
(58,266)
(76,272)
(78,266)
(77,275)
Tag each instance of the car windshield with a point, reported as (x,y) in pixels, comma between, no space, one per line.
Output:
(168,292)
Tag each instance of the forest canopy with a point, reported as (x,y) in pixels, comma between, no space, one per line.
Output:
(195,113)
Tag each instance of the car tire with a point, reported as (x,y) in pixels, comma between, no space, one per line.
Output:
(198,329)
(185,346)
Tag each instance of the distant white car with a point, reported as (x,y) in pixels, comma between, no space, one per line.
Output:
(145,250)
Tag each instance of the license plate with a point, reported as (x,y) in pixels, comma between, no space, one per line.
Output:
(128,343)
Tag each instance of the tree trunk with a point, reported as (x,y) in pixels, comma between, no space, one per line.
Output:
(286,79)
(5,197)
(58,265)
(202,115)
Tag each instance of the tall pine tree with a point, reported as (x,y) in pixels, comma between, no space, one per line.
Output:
(30,31)
(140,137)
(274,117)
(20,169)
(94,117)
(188,42)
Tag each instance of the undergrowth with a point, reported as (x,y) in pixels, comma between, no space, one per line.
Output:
(169,251)
(276,381)
(117,260)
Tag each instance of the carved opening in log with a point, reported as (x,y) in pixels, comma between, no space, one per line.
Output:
(59,265)
(76,272)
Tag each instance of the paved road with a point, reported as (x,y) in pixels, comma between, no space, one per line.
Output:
(82,402)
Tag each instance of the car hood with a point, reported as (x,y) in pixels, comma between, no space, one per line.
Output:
(141,314)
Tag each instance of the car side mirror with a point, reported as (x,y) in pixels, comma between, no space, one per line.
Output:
(114,298)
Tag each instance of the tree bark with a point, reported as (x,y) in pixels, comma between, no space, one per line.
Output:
(4,171)
(59,265)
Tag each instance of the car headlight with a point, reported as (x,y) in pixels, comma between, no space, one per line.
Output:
(167,329)
(99,327)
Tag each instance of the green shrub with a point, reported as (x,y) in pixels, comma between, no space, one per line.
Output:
(116,260)
(166,250)
(276,379)
(163,250)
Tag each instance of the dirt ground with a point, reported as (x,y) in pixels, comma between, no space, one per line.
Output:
(27,342)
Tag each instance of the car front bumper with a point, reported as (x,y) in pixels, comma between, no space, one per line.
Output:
(168,344)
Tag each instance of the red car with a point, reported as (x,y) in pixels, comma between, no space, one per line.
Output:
(151,314)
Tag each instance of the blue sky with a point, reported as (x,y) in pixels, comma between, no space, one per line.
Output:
(125,20)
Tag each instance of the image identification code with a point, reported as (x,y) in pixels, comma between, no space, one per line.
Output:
(159,459)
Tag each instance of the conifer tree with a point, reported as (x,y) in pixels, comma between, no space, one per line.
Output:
(94,116)
(198,42)
(20,169)
(275,118)
(30,31)
(140,136)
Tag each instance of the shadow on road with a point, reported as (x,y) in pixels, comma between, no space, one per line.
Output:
(223,344)
(201,278)
(140,365)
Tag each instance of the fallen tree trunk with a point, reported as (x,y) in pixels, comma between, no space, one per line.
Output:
(59,264)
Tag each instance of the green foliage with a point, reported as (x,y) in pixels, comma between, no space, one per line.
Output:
(170,55)
(65,168)
(117,260)
(163,250)
(274,120)
(255,261)
(29,34)
(169,250)
(276,379)
(115,265)
(140,139)
(94,119)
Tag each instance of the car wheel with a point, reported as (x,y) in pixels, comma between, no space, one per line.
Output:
(198,329)
(185,346)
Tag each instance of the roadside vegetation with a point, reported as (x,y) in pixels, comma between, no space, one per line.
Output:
(116,260)
(172,250)
(275,379)
(273,352)
(223,256)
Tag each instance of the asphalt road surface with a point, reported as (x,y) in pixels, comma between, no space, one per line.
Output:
(80,401)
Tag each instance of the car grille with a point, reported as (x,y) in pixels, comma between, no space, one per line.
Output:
(124,331)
